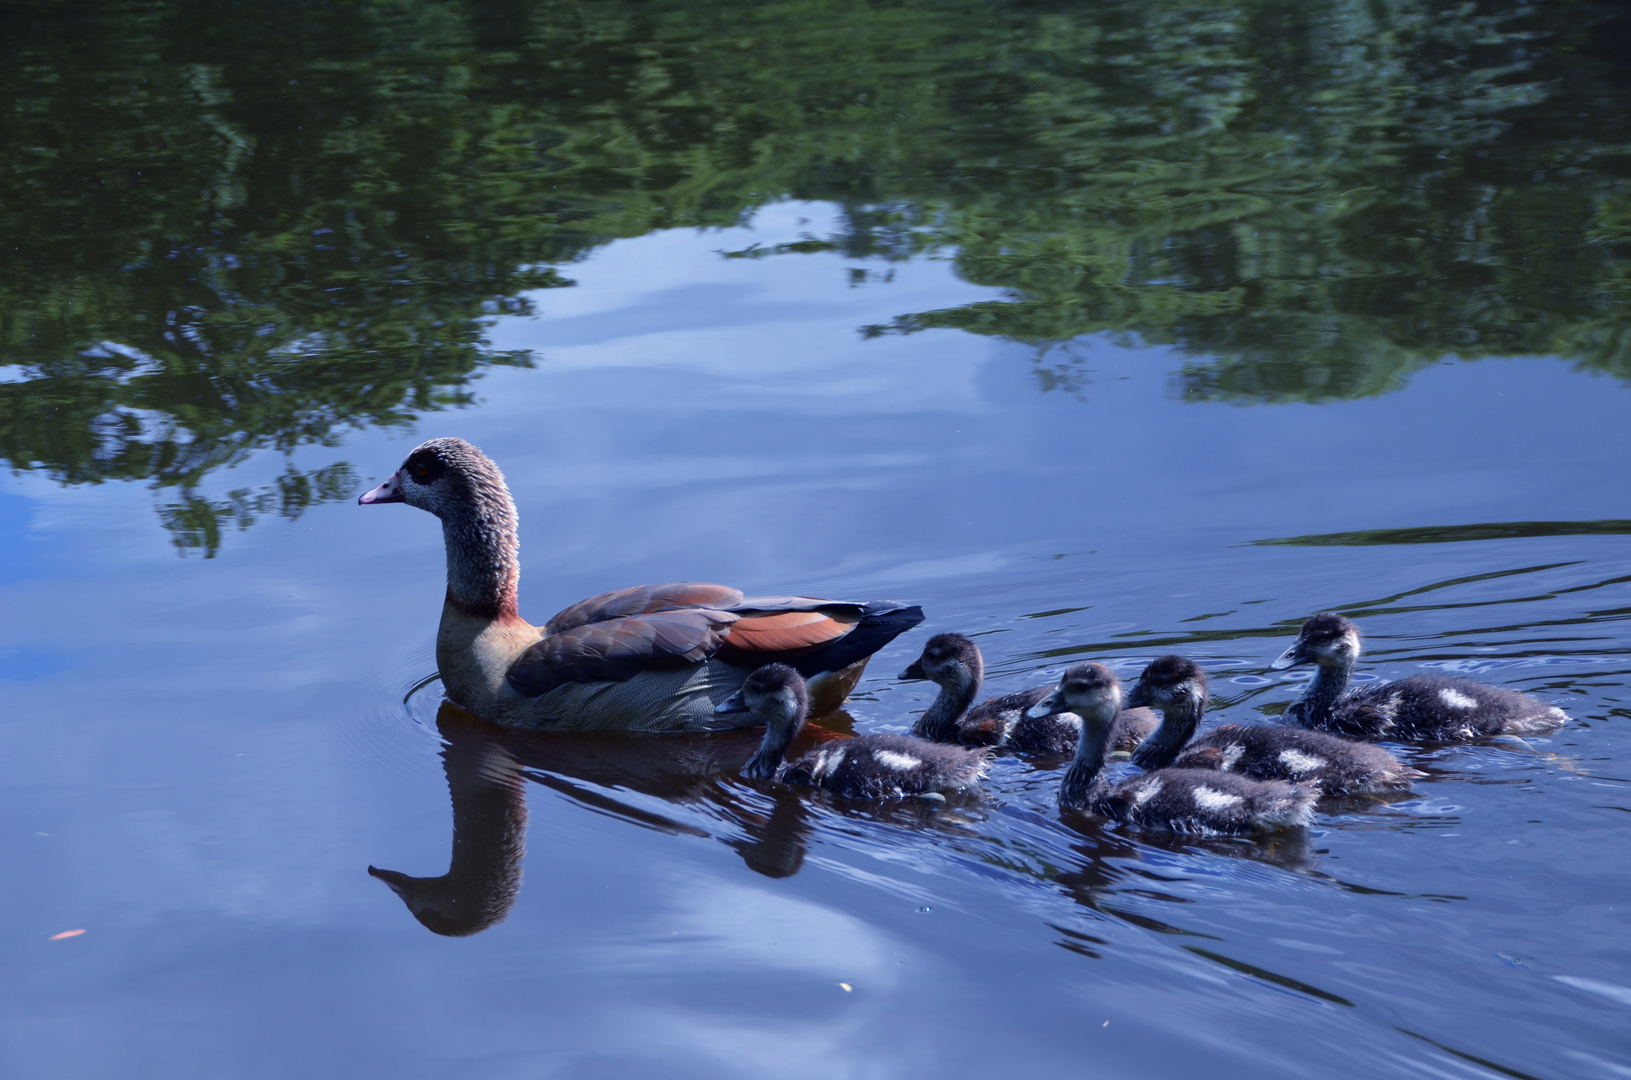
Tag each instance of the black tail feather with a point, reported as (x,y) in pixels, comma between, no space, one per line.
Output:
(884,621)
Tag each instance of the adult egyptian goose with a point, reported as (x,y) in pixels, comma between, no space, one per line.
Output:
(1193,801)
(649,658)
(1431,708)
(953,662)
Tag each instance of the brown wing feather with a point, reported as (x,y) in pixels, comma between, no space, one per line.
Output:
(787,631)
(615,650)
(617,635)
(644,600)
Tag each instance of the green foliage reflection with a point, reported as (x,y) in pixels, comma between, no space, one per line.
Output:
(232,227)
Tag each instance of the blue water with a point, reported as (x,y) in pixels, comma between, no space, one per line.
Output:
(202,756)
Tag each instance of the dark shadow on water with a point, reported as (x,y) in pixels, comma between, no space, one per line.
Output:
(776,841)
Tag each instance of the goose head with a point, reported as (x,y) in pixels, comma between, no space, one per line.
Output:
(1328,640)
(465,489)
(448,477)
(442,905)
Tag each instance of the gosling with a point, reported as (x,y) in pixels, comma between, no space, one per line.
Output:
(1427,708)
(865,767)
(1193,801)
(954,663)
(1177,687)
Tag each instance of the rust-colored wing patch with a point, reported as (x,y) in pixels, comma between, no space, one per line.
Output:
(788,630)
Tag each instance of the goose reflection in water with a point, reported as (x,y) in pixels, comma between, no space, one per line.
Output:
(489,835)
(487,767)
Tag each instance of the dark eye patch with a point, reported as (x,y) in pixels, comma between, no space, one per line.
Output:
(425,466)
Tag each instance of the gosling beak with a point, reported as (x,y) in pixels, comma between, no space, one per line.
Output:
(401,884)
(390,491)
(1138,697)
(914,670)
(734,703)
(1046,707)
(1297,654)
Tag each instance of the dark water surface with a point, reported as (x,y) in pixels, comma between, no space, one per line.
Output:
(1100,335)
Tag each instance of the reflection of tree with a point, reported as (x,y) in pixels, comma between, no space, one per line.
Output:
(1323,197)
(228,231)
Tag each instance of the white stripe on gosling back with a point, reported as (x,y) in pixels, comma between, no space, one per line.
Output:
(1299,762)
(1176,800)
(1177,687)
(1017,721)
(1435,708)
(897,761)
(1208,799)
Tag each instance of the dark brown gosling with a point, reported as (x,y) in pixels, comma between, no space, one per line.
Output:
(954,663)
(865,767)
(1192,801)
(1177,687)
(1426,708)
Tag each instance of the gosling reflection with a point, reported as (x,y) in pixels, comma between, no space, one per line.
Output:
(1115,867)
(489,835)
(487,765)
(776,841)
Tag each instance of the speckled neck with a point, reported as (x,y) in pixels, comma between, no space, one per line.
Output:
(482,540)
(939,721)
(1323,691)
(1083,775)
(1178,722)
(780,731)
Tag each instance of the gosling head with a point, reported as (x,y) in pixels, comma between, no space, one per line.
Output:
(1091,691)
(1328,639)
(1170,682)
(948,660)
(448,477)
(775,694)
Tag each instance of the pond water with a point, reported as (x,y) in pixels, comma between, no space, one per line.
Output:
(946,303)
